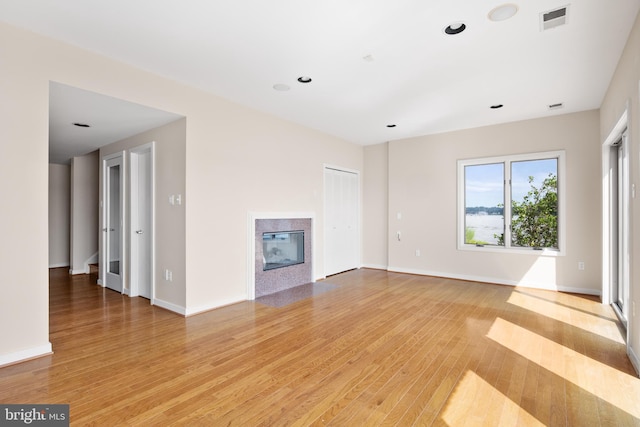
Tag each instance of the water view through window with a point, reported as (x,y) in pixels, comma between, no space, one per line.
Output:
(530,188)
(484,204)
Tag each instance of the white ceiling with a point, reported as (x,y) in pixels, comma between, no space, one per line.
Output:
(110,120)
(373,62)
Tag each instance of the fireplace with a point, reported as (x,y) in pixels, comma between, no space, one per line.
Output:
(282,253)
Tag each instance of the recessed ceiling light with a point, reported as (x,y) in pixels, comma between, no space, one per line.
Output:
(391,126)
(455,28)
(496,106)
(304,79)
(502,13)
(281,87)
(82,125)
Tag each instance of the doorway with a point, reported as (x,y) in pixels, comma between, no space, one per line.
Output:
(142,224)
(113,229)
(128,222)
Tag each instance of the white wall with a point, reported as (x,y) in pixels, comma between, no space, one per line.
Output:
(239,161)
(59,214)
(375,201)
(25,158)
(84,212)
(423,188)
(169,141)
(233,159)
(623,93)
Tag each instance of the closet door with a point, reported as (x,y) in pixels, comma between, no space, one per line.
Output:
(342,220)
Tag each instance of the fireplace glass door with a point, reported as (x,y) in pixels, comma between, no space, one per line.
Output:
(282,249)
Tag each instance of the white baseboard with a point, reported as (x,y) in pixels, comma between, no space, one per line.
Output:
(24,355)
(635,361)
(59,265)
(572,290)
(496,280)
(74,272)
(375,266)
(169,306)
(197,310)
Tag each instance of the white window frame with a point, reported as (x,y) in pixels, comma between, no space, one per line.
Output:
(507,160)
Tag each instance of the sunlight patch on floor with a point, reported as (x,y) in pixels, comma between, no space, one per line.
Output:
(470,402)
(617,388)
(579,319)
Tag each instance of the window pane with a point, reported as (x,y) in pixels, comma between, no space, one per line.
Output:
(534,203)
(484,204)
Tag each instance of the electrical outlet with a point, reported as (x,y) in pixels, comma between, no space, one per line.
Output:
(417,252)
(168,275)
(580,265)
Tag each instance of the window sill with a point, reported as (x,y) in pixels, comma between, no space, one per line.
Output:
(519,251)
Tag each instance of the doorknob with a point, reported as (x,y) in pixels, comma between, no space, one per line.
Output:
(139,232)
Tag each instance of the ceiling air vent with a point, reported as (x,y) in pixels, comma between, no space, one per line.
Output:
(556,106)
(554,18)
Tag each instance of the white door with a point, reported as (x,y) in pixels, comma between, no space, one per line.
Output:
(142,225)
(620,259)
(113,223)
(342,220)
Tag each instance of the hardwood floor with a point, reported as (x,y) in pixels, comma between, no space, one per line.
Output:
(377,348)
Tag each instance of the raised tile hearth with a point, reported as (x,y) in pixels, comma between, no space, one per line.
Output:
(293,295)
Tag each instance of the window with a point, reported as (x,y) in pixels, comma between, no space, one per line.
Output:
(512,203)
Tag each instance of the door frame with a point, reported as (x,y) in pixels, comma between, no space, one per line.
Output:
(123,218)
(134,289)
(610,224)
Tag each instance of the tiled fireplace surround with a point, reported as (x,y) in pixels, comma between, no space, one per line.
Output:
(272,281)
